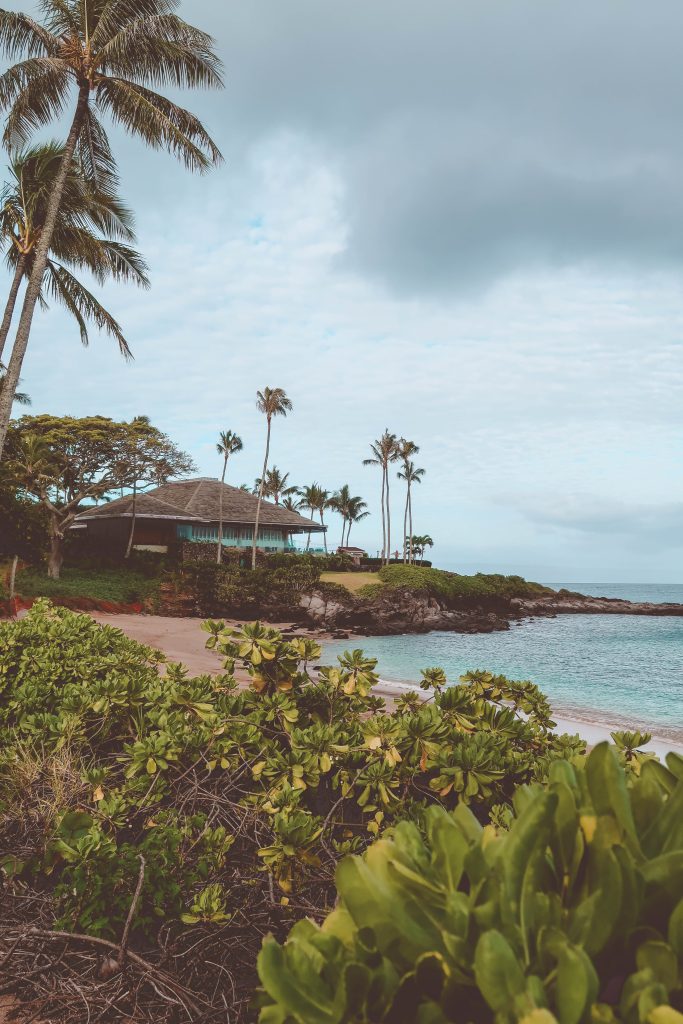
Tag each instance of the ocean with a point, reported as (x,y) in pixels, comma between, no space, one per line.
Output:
(623,671)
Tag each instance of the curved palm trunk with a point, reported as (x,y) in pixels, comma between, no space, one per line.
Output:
(36,279)
(410,525)
(11,303)
(219,549)
(260,499)
(322,523)
(308,539)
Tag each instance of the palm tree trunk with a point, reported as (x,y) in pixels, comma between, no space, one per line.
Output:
(308,539)
(260,499)
(40,262)
(384,522)
(405,525)
(219,550)
(129,548)
(388,522)
(11,302)
(322,523)
(410,525)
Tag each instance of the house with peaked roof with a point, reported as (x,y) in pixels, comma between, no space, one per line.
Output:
(189,510)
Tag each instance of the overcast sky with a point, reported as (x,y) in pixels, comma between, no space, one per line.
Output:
(462,221)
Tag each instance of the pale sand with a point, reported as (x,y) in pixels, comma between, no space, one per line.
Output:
(184,640)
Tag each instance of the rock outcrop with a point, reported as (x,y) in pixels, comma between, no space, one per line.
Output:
(395,610)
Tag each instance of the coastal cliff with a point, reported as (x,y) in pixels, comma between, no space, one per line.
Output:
(395,610)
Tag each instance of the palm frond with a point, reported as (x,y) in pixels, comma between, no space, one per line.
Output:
(60,16)
(94,155)
(161,123)
(102,257)
(35,91)
(83,305)
(20,34)
(163,50)
(114,14)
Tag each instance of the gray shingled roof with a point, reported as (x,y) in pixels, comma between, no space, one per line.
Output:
(198,501)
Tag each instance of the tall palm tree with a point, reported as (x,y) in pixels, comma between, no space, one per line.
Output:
(406,450)
(310,498)
(271,402)
(115,52)
(356,512)
(228,444)
(412,475)
(384,451)
(86,212)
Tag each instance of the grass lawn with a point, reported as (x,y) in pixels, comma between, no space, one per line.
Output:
(119,585)
(353,581)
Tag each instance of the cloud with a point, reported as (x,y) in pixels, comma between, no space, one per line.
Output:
(649,527)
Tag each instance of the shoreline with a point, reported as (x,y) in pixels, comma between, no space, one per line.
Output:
(590,729)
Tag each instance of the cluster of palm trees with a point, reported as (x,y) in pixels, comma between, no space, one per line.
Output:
(386,451)
(61,213)
(273,484)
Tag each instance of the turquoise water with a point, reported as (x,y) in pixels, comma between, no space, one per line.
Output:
(622,670)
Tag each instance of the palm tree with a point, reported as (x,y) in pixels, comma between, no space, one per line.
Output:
(275,485)
(406,450)
(412,475)
(271,402)
(228,444)
(291,502)
(419,543)
(355,513)
(344,503)
(384,451)
(84,215)
(310,499)
(117,52)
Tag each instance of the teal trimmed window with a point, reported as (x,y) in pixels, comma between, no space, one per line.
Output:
(240,536)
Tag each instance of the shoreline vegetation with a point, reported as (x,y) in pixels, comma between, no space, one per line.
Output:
(175,840)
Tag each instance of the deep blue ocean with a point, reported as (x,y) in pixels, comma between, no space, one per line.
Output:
(625,671)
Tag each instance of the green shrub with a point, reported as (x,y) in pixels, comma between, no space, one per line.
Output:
(231,590)
(575,915)
(453,588)
(122,586)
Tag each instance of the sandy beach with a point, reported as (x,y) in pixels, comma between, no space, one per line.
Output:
(183,639)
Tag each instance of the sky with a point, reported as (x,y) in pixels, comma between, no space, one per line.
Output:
(459,221)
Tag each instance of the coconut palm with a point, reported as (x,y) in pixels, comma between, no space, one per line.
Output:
(271,402)
(310,499)
(412,475)
(85,214)
(291,502)
(384,451)
(275,485)
(406,451)
(355,513)
(419,543)
(115,52)
(343,502)
(228,444)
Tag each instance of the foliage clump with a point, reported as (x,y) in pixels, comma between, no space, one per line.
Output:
(453,588)
(573,915)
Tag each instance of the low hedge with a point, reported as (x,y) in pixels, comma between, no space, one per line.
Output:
(454,587)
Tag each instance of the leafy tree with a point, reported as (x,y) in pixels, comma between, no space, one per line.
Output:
(24,522)
(291,502)
(63,462)
(85,214)
(228,444)
(356,513)
(384,451)
(109,51)
(148,459)
(271,402)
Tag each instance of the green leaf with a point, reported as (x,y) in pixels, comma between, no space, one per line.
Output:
(497,971)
